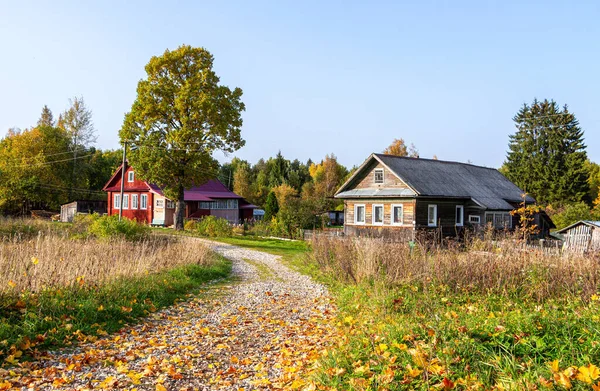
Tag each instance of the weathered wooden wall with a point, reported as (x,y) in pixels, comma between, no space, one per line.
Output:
(390,181)
(407,215)
(582,238)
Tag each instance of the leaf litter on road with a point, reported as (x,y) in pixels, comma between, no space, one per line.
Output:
(264,331)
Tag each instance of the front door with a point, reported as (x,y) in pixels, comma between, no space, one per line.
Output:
(159,211)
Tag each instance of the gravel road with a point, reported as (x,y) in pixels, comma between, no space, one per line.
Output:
(262,329)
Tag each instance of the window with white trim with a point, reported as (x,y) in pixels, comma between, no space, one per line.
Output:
(160,203)
(459,215)
(144,201)
(398,214)
(170,204)
(134,201)
(474,219)
(126,201)
(377,215)
(432,215)
(359,214)
(117,203)
(378,175)
(130,176)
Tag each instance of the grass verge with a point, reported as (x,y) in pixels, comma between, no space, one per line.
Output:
(421,335)
(58,317)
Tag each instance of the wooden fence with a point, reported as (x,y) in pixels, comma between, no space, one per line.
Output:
(324,233)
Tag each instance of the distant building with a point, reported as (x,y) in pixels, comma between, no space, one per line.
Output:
(146,202)
(394,196)
(70,210)
(583,236)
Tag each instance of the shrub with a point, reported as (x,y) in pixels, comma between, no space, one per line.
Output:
(190,225)
(239,229)
(213,226)
(569,214)
(109,227)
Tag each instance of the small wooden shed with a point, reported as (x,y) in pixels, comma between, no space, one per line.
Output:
(583,236)
(68,211)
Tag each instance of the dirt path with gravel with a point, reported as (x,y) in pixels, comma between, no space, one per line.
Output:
(262,329)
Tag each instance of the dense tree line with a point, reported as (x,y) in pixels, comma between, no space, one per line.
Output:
(53,162)
(547,158)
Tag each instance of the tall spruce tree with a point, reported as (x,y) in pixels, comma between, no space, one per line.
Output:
(547,155)
(46,118)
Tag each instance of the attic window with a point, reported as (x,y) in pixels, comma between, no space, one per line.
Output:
(130,176)
(379,175)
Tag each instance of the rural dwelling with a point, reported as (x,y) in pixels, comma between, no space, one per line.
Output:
(393,196)
(583,236)
(145,202)
(68,211)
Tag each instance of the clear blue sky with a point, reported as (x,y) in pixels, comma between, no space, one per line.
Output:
(319,77)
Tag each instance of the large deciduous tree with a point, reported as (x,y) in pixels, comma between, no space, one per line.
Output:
(547,155)
(180,117)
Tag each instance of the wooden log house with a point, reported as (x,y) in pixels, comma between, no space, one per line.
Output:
(393,196)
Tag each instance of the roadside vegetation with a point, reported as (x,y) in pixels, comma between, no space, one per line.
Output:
(479,316)
(69,283)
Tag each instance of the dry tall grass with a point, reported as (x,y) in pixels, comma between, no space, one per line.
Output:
(506,270)
(51,260)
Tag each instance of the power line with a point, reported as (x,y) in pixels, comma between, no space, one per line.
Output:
(81,190)
(48,163)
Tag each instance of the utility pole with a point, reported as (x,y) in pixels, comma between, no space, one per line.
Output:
(122,179)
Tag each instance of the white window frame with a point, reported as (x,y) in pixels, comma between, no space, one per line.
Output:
(474,219)
(160,203)
(134,201)
(117,201)
(125,201)
(401,222)
(373,206)
(375,172)
(144,201)
(170,204)
(434,224)
(364,220)
(462,216)
(130,176)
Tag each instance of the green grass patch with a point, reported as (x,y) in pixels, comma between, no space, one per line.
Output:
(60,317)
(422,336)
(407,337)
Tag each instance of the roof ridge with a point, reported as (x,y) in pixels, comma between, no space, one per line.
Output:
(432,160)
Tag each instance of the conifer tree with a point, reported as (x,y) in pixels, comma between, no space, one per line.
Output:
(546,156)
(271,206)
(46,118)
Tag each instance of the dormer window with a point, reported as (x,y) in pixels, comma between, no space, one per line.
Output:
(130,176)
(379,175)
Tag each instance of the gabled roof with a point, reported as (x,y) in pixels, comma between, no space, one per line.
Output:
(595,224)
(437,178)
(208,191)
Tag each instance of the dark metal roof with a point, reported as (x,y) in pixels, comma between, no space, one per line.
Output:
(438,178)
(586,222)
(486,186)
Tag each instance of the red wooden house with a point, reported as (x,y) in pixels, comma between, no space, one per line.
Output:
(145,202)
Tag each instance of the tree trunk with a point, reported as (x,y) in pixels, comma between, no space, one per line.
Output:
(179,209)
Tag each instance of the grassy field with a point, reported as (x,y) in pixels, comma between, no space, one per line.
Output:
(57,290)
(449,319)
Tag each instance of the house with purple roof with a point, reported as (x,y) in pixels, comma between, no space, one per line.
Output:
(145,202)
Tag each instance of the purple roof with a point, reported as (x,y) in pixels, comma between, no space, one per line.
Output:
(206,192)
